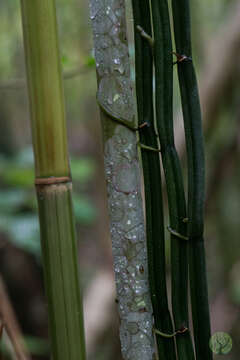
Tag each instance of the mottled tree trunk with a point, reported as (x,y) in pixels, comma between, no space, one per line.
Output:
(122,171)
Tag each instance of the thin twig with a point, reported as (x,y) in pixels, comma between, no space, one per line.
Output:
(11,325)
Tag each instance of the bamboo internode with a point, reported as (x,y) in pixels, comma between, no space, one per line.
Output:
(53,182)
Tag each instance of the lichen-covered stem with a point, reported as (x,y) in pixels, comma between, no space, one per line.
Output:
(152,179)
(172,170)
(53,183)
(195,155)
(122,172)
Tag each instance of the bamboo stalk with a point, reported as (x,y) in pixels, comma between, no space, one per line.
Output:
(152,179)
(173,175)
(122,171)
(53,183)
(195,154)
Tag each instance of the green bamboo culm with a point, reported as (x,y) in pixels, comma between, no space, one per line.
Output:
(195,155)
(53,182)
(152,179)
(173,175)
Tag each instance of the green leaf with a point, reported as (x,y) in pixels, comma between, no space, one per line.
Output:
(84,211)
(64,60)
(25,157)
(10,200)
(82,169)
(18,177)
(90,61)
(37,346)
(23,231)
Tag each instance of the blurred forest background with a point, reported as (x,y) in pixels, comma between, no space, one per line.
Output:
(216,48)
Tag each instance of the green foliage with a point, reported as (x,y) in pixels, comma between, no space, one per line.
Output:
(18,206)
(84,211)
(23,231)
(90,61)
(36,346)
(64,60)
(10,36)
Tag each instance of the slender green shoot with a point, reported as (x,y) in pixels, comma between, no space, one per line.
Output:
(173,175)
(195,155)
(152,177)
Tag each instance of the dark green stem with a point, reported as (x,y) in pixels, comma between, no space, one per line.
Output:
(174,180)
(152,180)
(195,153)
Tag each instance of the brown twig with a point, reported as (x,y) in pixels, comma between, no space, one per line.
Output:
(10,324)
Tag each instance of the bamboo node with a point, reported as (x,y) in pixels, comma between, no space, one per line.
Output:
(145,36)
(181,58)
(143,125)
(149,148)
(177,234)
(52,180)
(181,331)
